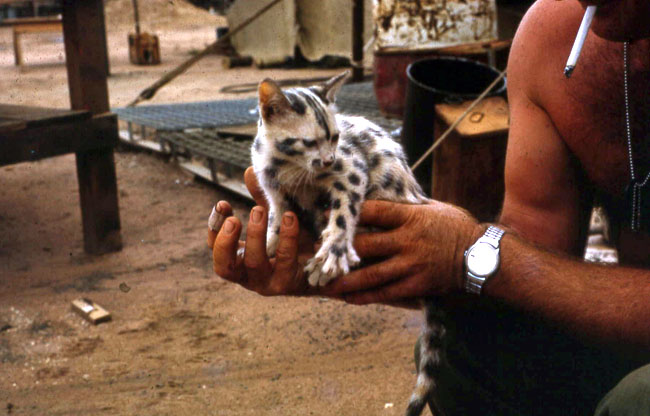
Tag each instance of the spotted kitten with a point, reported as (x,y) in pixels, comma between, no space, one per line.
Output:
(308,159)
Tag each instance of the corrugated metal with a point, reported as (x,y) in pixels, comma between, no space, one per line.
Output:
(403,25)
(318,28)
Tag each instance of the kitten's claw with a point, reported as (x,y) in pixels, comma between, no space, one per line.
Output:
(353,257)
(240,252)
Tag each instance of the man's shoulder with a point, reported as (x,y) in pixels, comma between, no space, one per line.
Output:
(542,44)
(551,21)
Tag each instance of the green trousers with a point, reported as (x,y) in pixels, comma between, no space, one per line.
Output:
(459,395)
(630,397)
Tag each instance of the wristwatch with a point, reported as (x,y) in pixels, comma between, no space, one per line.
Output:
(482,260)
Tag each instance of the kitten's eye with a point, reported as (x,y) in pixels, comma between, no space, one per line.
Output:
(335,138)
(309,142)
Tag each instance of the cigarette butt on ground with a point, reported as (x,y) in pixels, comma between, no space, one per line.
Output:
(90,311)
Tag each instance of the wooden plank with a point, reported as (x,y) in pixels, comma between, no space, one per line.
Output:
(24,21)
(11,125)
(39,116)
(38,28)
(40,142)
(246,130)
(233,185)
(141,143)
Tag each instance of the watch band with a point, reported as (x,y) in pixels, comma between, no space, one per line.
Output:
(492,236)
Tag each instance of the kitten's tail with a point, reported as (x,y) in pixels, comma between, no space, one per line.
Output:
(424,385)
(431,350)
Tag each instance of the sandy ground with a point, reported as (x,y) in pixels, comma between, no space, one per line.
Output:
(182,341)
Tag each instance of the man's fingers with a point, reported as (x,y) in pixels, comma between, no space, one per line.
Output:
(368,277)
(254,187)
(285,273)
(379,244)
(217,217)
(404,290)
(255,259)
(384,214)
(224,251)
(393,292)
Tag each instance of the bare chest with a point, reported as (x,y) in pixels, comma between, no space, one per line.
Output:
(590,114)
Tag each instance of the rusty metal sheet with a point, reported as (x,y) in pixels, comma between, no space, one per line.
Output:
(403,25)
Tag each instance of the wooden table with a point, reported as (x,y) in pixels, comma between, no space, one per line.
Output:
(24,25)
(88,129)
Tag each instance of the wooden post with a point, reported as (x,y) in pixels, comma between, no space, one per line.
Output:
(18,54)
(357,40)
(86,61)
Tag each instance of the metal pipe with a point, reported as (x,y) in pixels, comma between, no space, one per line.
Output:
(136,17)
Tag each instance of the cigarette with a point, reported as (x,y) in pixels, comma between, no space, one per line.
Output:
(580,40)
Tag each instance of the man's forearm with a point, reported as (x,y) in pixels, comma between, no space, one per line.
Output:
(607,304)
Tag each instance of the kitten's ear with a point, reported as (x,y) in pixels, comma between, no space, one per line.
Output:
(333,85)
(272,99)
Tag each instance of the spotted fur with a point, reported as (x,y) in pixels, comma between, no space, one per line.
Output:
(309,159)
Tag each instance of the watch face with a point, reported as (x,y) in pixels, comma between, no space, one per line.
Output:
(482,259)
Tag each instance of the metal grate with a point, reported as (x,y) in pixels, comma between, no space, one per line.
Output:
(207,114)
(209,144)
(354,99)
(359,100)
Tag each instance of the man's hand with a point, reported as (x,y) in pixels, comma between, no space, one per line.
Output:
(418,253)
(282,275)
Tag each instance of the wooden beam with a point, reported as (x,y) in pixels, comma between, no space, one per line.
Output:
(38,28)
(39,116)
(87,64)
(41,141)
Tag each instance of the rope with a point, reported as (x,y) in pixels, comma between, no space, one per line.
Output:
(458,120)
(150,91)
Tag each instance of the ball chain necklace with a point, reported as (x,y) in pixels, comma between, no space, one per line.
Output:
(635,187)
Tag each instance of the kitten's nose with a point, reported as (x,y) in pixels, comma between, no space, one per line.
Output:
(328,163)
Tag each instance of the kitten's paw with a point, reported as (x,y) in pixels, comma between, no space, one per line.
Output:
(330,262)
(316,276)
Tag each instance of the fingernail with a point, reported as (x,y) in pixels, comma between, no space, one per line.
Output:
(229,226)
(218,207)
(256,215)
(287,220)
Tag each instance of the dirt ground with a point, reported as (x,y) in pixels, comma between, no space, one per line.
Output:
(182,341)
